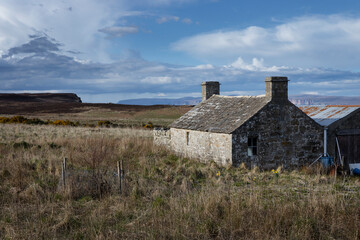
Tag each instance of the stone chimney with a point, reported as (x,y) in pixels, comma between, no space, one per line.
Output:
(276,88)
(209,89)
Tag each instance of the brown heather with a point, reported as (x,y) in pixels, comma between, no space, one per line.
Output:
(166,197)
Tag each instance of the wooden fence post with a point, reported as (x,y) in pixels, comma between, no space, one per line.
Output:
(63,172)
(119,174)
(123,174)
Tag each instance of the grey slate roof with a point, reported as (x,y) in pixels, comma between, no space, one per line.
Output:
(220,114)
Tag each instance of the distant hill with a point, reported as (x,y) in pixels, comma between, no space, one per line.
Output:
(296,99)
(324,100)
(40,97)
(162,101)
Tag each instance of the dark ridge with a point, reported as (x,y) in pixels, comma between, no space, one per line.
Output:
(24,108)
(162,101)
(40,97)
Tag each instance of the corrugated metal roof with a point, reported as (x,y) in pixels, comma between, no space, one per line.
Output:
(326,115)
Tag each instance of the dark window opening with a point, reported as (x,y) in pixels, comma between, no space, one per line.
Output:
(252,146)
(187,138)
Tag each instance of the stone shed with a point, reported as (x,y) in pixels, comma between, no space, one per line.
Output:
(265,131)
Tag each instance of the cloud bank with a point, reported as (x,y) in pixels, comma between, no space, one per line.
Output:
(118,31)
(63,46)
(41,65)
(305,41)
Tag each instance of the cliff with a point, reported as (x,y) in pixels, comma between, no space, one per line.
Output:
(40,97)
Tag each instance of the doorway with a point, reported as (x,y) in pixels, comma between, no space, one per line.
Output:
(349,147)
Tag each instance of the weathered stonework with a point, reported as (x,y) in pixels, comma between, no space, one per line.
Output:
(162,136)
(276,88)
(286,137)
(209,89)
(204,146)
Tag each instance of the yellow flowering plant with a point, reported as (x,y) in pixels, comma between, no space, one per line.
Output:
(275,172)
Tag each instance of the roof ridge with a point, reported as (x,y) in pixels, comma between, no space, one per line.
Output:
(246,96)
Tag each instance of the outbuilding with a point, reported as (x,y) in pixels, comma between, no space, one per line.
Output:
(341,123)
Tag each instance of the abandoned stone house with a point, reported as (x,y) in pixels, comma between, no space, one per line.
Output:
(265,131)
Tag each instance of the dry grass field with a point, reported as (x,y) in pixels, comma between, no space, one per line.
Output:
(164,196)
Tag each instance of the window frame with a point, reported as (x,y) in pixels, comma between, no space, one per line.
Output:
(252,146)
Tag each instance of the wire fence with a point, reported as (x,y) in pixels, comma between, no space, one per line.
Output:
(96,183)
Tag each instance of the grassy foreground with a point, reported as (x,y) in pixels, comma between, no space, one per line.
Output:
(165,197)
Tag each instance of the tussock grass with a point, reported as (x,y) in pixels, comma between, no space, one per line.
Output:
(166,197)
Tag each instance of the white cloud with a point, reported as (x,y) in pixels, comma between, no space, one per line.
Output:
(310,93)
(256,65)
(167,19)
(204,67)
(160,80)
(198,67)
(33,91)
(73,23)
(323,41)
(159,2)
(187,21)
(117,31)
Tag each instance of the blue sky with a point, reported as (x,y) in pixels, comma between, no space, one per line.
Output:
(111,50)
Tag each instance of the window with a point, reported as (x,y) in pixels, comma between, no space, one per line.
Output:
(252,146)
(187,138)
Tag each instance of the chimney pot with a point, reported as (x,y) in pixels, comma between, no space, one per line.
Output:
(209,89)
(276,88)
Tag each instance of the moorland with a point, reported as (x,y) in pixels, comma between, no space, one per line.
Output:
(163,196)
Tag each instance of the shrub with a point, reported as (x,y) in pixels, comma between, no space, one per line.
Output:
(4,120)
(18,119)
(22,120)
(63,123)
(105,124)
(148,125)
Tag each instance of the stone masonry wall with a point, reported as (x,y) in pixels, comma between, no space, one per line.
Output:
(286,137)
(204,146)
(209,89)
(162,136)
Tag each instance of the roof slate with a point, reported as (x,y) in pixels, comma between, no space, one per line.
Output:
(220,114)
(326,115)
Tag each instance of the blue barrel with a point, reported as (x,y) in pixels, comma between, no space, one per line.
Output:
(326,161)
(356,171)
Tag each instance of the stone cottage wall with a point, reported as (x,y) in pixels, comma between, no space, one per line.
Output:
(204,146)
(286,137)
(162,136)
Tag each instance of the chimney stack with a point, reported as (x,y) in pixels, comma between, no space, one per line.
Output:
(276,88)
(209,89)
